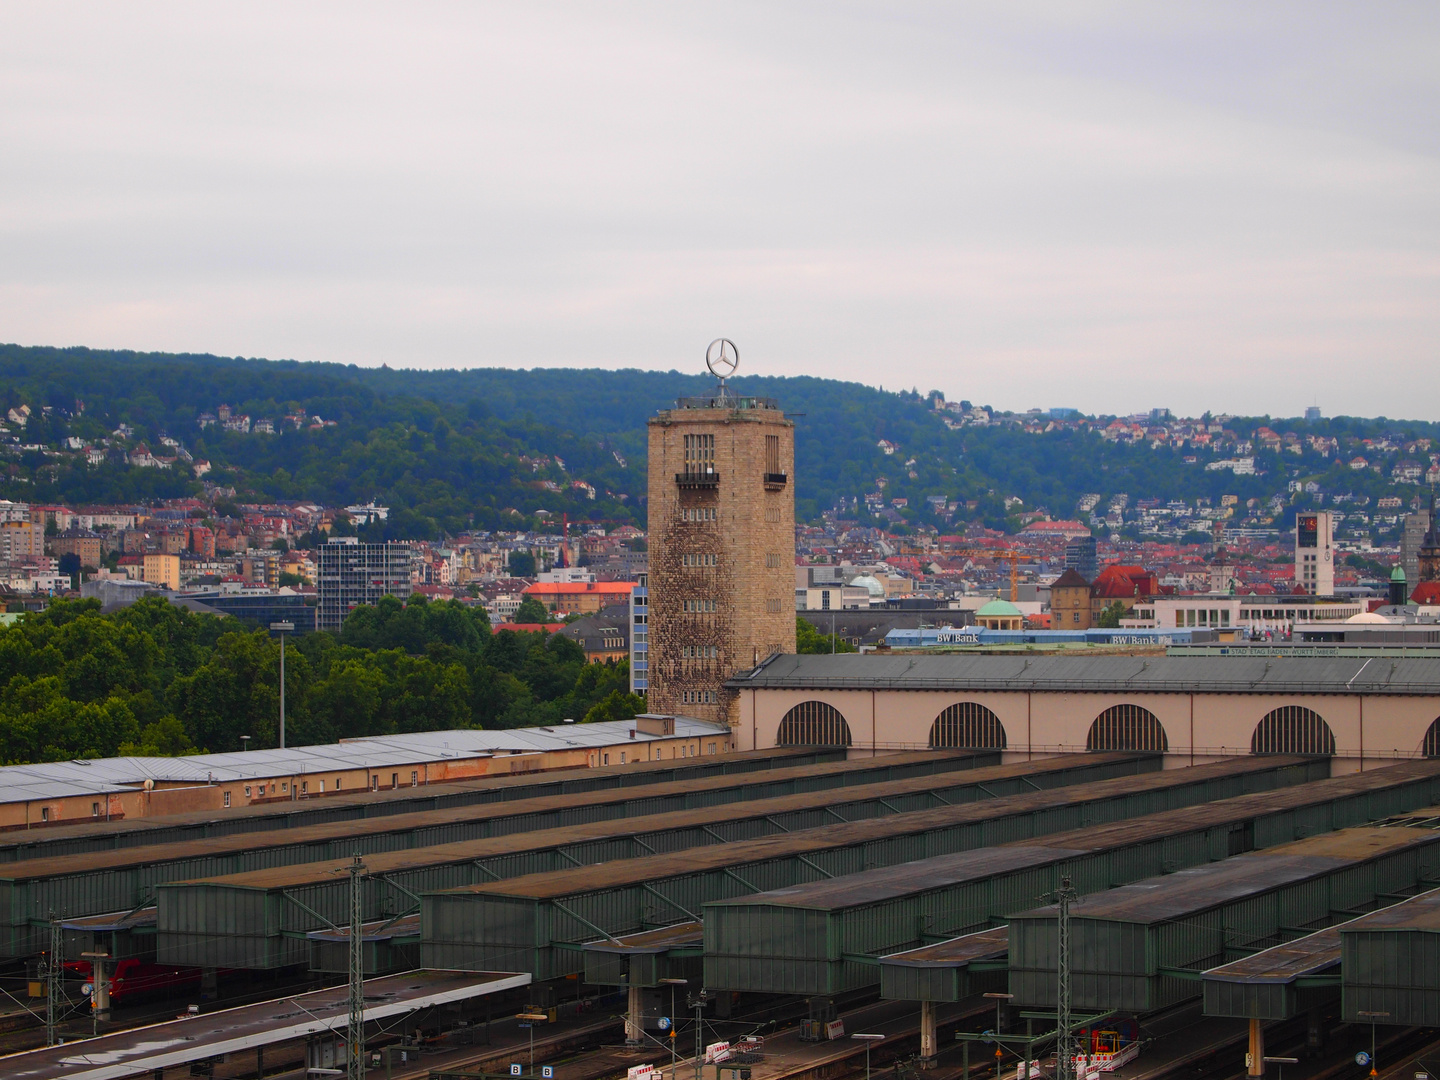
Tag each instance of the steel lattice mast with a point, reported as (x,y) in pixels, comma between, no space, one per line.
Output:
(1065,1049)
(355,1034)
(54,973)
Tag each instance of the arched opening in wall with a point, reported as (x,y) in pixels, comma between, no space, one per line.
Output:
(1127,727)
(813,723)
(970,725)
(1293,729)
(1431,746)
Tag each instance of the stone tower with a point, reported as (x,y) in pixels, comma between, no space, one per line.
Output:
(1428,559)
(722,547)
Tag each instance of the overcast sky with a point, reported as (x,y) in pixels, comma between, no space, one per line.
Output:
(1107,206)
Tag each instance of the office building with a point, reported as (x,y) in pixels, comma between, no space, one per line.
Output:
(721,581)
(1081,556)
(1315,552)
(352,573)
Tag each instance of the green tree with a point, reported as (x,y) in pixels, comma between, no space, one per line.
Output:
(808,640)
(521,564)
(617,705)
(1110,617)
(532,611)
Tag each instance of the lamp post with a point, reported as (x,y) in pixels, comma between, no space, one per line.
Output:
(531,1019)
(673,983)
(282,628)
(1372,1017)
(867,1039)
(1000,1000)
(244,742)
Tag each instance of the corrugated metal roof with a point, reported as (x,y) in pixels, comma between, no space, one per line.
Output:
(958,952)
(1099,674)
(888,882)
(255,814)
(94,861)
(916,877)
(1282,964)
(54,780)
(284,877)
(1420,913)
(1200,888)
(1320,951)
(561,883)
(651,941)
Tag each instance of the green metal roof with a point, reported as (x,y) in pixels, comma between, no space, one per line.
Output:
(1098,674)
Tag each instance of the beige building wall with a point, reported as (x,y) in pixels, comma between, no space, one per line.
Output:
(162,570)
(722,551)
(1369,730)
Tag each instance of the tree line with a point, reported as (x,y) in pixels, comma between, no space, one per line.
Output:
(155,679)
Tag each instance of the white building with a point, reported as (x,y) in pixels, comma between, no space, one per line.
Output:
(1315,552)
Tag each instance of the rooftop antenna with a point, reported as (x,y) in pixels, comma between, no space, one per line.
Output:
(722,358)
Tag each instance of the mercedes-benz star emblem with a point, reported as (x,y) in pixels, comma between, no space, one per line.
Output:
(722,358)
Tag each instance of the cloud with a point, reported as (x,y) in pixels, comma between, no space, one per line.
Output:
(1193,206)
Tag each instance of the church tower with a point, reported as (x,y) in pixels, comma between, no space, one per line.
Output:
(1428,560)
(722,543)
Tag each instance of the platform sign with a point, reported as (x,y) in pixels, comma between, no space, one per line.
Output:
(664,1023)
(1362,1058)
(546,1072)
(514,1070)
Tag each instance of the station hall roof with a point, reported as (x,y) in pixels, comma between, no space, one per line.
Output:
(1098,674)
(98,776)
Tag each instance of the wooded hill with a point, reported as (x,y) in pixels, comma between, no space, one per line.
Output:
(451,450)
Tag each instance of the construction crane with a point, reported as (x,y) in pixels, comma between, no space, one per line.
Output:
(1012,557)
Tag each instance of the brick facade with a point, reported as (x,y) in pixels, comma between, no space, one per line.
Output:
(722,549)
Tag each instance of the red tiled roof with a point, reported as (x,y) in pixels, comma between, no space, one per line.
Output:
(1427,593)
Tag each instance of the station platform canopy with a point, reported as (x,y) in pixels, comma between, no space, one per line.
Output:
(146,1050)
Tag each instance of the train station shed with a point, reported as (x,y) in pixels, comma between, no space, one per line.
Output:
(1143,947)
(823,937)
(1390,964)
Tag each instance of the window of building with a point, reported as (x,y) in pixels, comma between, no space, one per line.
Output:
(375,782)
(337,783)
(1127,727)
(94,809)
(285,786)
(394,780)
(227,798)
(772,607)
(772,454)
(772,515)
(322,787)
(247,791)
(712,748)
(699,453)
(414,778)
(813,723)
(622,757)
(304,787)
(607,759)
(260,790)
(44,813)
(1292,729)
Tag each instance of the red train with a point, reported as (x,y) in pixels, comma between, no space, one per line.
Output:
(135,980)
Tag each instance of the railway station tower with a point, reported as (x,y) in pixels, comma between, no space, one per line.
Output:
(721,540)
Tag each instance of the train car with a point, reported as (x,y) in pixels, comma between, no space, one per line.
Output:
(136,980)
